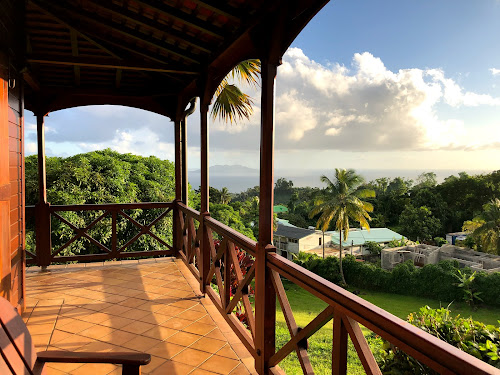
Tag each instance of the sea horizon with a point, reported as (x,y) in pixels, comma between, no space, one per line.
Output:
(236,182)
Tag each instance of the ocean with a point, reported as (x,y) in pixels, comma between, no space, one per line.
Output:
(237,181)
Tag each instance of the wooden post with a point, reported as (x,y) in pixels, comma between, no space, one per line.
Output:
(265,295)
(204,262)
(183,129)
(177,235)
(43,228)
(339,352)
(178,160)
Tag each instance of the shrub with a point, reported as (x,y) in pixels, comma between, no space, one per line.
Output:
(373,247)
(473,337)
(440,241)
(436,281)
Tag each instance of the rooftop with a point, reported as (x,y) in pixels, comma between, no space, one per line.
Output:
(358,237)
(292,231)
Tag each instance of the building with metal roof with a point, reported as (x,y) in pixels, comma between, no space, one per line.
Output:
(358,237)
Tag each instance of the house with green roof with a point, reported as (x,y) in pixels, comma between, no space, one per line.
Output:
(280,209)
(358,237)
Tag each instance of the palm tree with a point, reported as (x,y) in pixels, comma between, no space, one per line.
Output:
(341,201)
(225,197)
(231,104)
(486,227)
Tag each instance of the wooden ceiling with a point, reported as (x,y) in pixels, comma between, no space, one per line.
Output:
(150,54)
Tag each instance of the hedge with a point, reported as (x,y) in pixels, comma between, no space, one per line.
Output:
(436,281)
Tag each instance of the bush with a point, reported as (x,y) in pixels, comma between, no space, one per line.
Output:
(373,247)
(440,241)
(436,281)
(473,337)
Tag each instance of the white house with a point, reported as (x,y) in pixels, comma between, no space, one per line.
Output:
(290,239)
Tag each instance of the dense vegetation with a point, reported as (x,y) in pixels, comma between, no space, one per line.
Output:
(420,210)
(437,281)
(473,337)
(103,177)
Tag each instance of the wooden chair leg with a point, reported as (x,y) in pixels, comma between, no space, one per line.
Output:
(131,370)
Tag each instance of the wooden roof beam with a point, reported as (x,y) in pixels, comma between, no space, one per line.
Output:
(147,22)
(106,63)
(185,18)
(221,7)
(76,16)
(41,5)
(30,79)
(74,52)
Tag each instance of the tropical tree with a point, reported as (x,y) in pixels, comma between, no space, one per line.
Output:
(485,228)
(340,201)
(231,104)
(225,197)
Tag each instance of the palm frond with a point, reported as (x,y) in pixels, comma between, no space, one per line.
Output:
(247,71)
(232,104)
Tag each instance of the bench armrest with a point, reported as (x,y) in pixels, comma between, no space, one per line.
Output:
(117,358)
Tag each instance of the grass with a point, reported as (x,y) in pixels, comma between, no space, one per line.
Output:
(305,308)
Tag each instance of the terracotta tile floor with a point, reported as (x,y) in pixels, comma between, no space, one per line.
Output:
(147,306)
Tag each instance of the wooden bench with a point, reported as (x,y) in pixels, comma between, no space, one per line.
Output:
(18,355)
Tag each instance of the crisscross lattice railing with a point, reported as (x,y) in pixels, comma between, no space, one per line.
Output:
(116,232)
(212,251)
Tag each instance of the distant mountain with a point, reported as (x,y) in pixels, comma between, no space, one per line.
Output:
(230,170)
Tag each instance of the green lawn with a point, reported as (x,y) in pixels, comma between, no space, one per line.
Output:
(306,307)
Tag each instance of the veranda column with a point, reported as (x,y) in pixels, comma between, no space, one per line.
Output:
(265,297)
(178,160)
(183,128)
(204,246)
(177,230)
(43,228)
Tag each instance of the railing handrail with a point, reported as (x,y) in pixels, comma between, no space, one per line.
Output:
(189,211)
(104,206)
(414,341)
(109,206)
(240,239)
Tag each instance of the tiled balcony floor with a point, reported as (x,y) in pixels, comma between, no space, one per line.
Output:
(147,306)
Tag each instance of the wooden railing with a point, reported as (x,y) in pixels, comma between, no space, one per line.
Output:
(46,254)
(213,252)
(210,249)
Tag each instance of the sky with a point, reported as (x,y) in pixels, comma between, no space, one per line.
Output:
(371,84)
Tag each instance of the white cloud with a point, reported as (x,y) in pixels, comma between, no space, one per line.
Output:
(495,71)
(322,107)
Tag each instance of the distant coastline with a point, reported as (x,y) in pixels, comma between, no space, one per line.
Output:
(239,178)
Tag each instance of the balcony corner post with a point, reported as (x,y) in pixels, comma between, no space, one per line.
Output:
(265,295)
(177,230)
(42,208)
(204,263)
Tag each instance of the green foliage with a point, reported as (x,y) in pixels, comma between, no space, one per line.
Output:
(485,229)
(397,243)
(227,215)
(418,223)
(436,281)
(103,177)
(440,241)
(473,337)
(373,247)
(466,282)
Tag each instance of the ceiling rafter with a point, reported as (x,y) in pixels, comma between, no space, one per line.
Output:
(185,18)
(100,22)
(74,52)
(41,5)
(146,22)
(109,63)
(220,7)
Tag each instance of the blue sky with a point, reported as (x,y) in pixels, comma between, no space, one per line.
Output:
(368,84)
